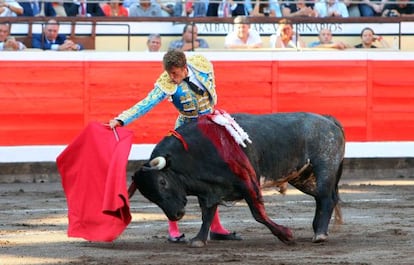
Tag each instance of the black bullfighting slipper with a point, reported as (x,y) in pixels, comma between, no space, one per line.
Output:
(231,236)
(177,239)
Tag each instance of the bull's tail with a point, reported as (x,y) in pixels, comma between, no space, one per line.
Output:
(131,190)
(338,212)
(338,219)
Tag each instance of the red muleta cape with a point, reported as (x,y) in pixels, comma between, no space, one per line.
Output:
(93,171)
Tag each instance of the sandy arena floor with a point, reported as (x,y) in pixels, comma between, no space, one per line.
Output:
(378,229)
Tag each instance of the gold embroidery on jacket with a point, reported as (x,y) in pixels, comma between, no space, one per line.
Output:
(200,63)
(190,109)
(165,83)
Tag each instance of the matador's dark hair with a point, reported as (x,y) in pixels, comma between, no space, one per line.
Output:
(174,58)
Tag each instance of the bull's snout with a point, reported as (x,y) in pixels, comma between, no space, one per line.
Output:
(177,216)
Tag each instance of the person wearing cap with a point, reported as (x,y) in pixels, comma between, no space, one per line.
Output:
(189,85)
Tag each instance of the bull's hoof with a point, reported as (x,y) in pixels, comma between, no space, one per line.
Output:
(197,244)
(177,239)
(230,236)
(286,236)
(320,238)
(289,242)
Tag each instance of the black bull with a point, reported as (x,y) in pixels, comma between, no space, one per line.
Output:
(304,149)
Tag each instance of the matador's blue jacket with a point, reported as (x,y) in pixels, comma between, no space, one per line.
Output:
(189,104)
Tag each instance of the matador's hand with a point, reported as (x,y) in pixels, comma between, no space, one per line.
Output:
(114,123)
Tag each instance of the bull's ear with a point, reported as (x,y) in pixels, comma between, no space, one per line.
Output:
(146,167)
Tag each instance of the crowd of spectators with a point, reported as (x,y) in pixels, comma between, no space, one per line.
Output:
(242,36)
(209,8)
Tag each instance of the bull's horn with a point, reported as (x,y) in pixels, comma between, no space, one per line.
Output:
(158,163)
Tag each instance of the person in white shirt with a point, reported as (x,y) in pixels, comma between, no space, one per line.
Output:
(286,37)
(242,36)
(331,8)
(10,8)
(8,43)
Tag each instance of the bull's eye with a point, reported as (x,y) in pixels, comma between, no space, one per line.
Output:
(163,182)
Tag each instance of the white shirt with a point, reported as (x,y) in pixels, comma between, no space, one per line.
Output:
(323,9)
(7,12)
(193,79)
(21,46)
(233,39)
(291,44)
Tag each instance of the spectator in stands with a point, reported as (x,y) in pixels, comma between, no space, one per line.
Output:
(286,37)
(145,8)
(325,41)
(369,37)
(331,8)
(297,8)
(370,8)
(353,8)
(128,3)
(114,8)
(59,9)
(270,8)
(10,8)
(36,8)
(242,36)
(196,8)
(228,8)
(8,43)
(154,43)
(178,8)
(52,40)
(82,8)
(404,8)
(189,40)
(167,7)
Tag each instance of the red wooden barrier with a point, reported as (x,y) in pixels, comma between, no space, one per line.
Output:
(49,102)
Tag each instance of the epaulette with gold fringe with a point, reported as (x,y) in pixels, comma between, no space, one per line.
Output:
(166,84)
(200,63)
